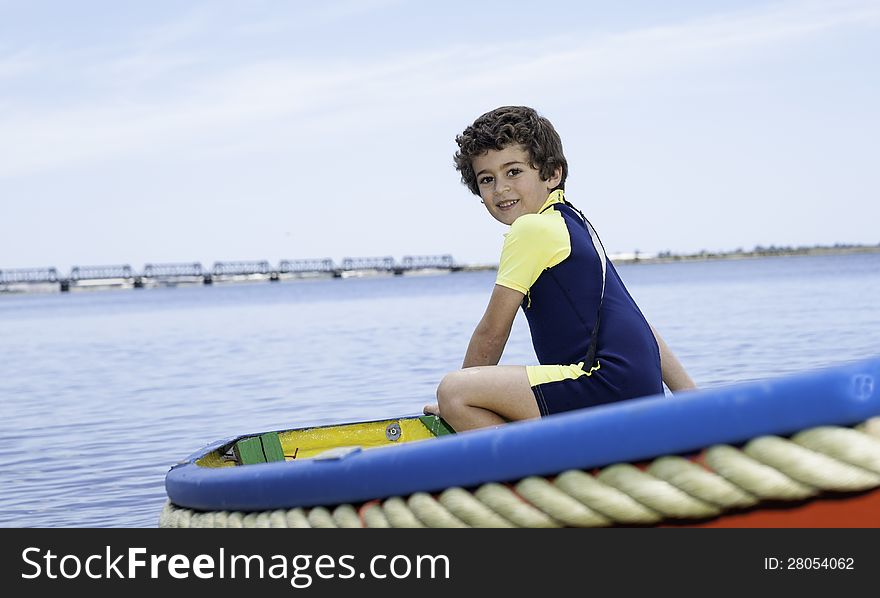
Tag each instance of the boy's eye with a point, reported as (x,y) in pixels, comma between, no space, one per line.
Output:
(485,180)
(513,172)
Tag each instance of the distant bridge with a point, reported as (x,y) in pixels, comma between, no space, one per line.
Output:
(28,275)
(241,268)
(381,264)
(78,273)
(172,270)
(166,273)
(307,266)
(421,262)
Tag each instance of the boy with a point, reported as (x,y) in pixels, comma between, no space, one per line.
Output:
(593,343)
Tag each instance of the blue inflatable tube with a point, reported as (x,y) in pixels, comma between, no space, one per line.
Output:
(630,431)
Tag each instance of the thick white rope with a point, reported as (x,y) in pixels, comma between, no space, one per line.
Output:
(821,459)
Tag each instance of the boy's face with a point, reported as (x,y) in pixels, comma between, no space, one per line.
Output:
(509,185)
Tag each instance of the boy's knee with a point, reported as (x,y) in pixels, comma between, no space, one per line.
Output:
(450,392)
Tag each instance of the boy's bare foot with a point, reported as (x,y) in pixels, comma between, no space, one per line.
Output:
(432,409)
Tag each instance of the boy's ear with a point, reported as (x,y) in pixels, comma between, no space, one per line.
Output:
(554,179)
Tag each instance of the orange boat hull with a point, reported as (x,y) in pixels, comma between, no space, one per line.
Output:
(860,510)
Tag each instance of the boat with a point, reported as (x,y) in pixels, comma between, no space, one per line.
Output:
(800,450)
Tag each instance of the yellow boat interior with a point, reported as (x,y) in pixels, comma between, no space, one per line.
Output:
(324,442)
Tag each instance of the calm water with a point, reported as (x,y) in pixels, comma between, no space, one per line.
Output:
(102,391)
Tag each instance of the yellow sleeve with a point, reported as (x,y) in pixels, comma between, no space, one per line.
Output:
(535,242)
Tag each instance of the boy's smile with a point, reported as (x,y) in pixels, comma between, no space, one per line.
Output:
(509,185)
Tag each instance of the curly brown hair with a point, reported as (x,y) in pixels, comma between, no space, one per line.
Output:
(510,125)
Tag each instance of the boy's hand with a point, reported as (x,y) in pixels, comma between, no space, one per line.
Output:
(432,409)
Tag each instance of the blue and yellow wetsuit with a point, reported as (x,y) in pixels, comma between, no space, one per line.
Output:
(552,259)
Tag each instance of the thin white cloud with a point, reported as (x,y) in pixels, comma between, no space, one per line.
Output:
(220,104)
(345,9)
(317,14)
(18,63)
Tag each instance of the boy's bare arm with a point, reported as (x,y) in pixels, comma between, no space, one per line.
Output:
(674,375)
(489,338)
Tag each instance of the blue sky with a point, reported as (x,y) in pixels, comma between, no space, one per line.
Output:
(135,132)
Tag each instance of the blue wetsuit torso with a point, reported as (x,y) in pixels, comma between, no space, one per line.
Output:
(562,305)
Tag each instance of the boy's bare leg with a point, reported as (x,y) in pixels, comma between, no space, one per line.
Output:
(484,396)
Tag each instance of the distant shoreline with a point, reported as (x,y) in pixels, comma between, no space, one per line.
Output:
(739,254)
(704,256)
